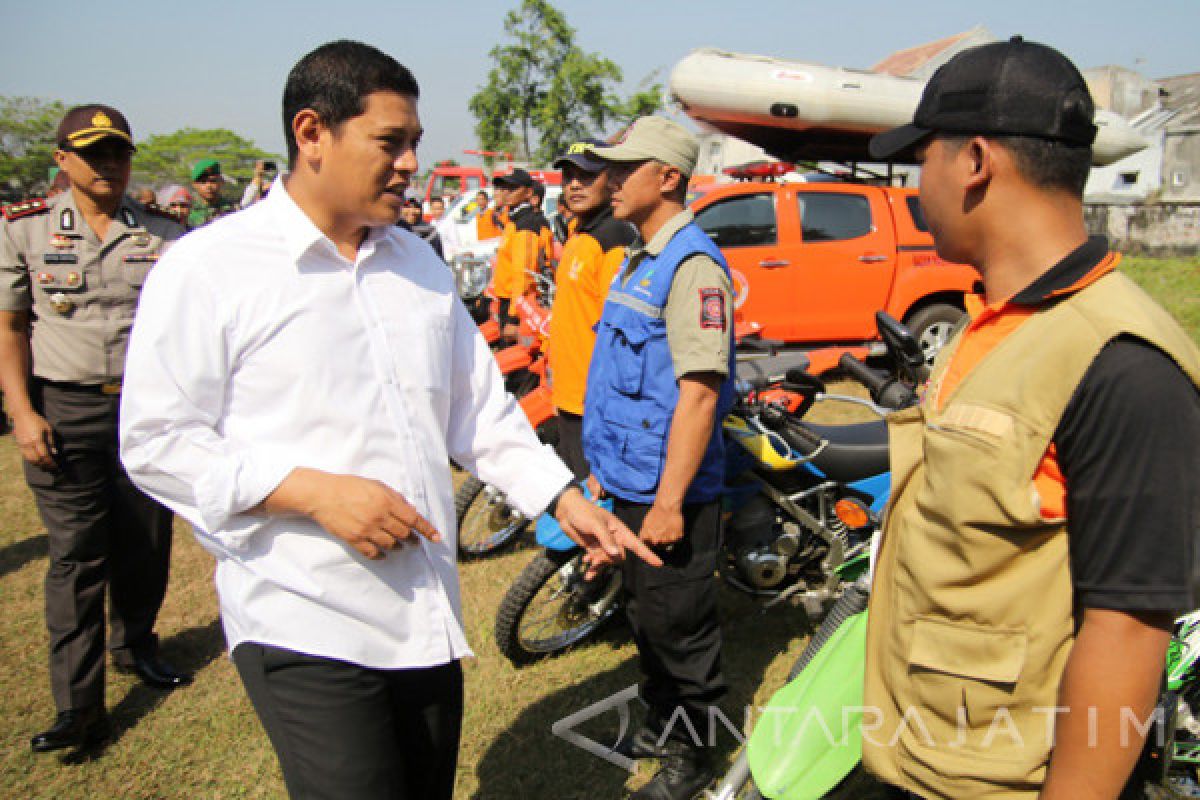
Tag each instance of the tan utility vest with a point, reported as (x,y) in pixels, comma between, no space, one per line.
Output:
(972,615)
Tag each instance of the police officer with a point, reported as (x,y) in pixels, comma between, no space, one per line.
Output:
(524,246)
(594,251)
(207,183)
(1042,528)
(659,385)
(71,271)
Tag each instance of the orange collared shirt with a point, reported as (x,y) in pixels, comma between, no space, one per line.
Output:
(992,324)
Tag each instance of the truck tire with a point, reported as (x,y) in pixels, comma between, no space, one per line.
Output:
(931,327)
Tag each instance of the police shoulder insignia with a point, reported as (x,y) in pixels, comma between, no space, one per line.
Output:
(24,209)
(712,309)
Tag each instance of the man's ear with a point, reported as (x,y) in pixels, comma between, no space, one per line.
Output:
(308,129)
(978,160)
(671,178)
(60,158)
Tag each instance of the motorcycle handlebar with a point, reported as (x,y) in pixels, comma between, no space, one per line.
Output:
(868,377)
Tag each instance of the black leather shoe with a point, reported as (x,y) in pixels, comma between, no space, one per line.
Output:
(155,672)
(77,728)
(641,743)
(685,772)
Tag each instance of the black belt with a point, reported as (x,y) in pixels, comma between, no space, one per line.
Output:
(111,388)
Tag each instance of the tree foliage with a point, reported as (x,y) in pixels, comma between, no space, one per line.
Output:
(27,127)
(168,158)
(543,92)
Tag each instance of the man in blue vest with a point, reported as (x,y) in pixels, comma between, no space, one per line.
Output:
(658,387)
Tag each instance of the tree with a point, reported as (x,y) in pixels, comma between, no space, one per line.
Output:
(543,84)
(27,128)
(168,158)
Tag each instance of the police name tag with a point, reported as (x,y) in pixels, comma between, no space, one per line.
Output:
(60,258)
(141,258)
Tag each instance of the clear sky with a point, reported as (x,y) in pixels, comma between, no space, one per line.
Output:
(169,64)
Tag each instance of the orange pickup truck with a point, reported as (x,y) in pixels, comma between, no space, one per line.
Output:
(813,262)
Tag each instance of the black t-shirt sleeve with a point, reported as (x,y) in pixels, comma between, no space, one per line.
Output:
(1129,448)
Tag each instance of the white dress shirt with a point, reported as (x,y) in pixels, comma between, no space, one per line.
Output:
(258,349)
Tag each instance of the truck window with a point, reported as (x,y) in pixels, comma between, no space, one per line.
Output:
(918,216)
(742,221)
(830,217)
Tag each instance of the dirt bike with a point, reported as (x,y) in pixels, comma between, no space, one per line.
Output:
(803,501)
(1170,764)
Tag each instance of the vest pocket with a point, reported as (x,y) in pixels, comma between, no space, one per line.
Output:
(964,700)
(629,356)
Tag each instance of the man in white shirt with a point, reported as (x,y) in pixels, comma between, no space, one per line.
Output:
(299,377)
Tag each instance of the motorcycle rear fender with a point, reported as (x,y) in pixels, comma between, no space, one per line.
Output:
(513,358)
(877,487)
(490,330)
(809,736)
(538,406)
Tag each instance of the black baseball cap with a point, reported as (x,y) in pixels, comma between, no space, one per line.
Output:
(513,180)
(578,155)
(1013,88)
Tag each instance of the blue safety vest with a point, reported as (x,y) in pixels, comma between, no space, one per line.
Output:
(631,386)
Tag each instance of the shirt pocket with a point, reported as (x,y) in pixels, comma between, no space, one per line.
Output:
(136,266)
(421,351)
(965,682)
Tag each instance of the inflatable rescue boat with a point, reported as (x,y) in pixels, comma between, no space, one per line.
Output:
(807,112)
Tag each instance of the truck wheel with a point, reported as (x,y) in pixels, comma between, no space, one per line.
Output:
(931,327)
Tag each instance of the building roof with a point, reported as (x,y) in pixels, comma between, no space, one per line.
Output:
(903,63)
(1183,97)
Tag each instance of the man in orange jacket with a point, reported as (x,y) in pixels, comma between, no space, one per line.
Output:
(523,247)
(593,253)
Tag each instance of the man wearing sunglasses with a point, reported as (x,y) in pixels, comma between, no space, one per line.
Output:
(71,274)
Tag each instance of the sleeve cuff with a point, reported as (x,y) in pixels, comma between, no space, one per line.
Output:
(540,483)
(221,497)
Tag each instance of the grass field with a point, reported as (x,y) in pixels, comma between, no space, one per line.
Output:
(205,742)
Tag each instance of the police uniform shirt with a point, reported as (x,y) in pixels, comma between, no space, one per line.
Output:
(82,292)
(699,307)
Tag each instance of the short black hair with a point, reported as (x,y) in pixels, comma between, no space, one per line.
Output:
(1045,163)
(539,190)
(334,81)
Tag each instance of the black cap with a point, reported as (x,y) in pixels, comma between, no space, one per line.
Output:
(1013,88)
(513,180)
(578,155)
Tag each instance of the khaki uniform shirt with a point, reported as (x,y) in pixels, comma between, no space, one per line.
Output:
(81,292)
(697,344)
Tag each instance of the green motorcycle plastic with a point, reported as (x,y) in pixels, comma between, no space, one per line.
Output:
(809,736)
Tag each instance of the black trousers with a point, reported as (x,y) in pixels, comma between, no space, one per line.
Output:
(570,443)
(673,613)
(346,732)
(103,532)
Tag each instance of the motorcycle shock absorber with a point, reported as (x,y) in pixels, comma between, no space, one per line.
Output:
(853,601)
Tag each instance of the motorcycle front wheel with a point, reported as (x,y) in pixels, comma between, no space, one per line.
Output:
(486,522)
(551,606)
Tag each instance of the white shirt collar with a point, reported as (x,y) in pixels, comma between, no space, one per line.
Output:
(300,233)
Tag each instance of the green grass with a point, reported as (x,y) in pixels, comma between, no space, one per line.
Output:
(1174,282)
(205,742)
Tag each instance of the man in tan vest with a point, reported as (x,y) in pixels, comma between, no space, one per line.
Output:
(1041,534)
